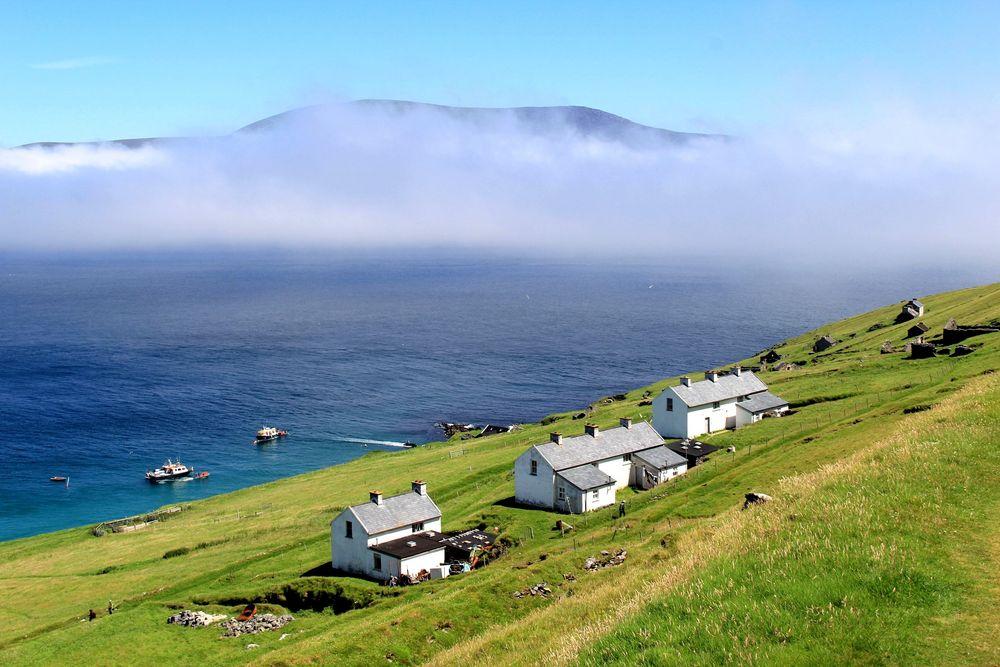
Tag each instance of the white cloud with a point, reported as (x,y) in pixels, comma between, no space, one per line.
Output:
(899,188)
(70,157)
(75,63)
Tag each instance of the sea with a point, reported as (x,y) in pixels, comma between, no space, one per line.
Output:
(112,363)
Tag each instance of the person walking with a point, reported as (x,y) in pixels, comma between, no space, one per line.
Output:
(111,608)
(91,616)
(621,509)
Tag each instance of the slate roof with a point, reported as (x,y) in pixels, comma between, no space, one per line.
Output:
(411,545)
(762,402)
(661,457)
(395,512)
(915,303)
(586,477)
(582,449)
(724,388)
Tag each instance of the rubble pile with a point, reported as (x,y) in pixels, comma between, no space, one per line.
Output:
(605,560)
(195,619)
(537,589)
(259,623)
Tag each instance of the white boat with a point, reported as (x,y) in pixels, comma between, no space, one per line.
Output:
(268,433)
(169,471)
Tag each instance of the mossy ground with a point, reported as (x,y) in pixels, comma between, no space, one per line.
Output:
(892,538)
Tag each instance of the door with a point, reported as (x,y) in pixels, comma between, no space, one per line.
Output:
(708,424)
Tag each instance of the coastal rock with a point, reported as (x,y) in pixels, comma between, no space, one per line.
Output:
(257,624)
(538,589)
(751,499)
(451,428)
(195,619)
(606,559)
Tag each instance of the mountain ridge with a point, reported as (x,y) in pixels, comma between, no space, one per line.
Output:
(585,121)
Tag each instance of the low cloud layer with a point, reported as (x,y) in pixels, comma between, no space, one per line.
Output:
(344,176)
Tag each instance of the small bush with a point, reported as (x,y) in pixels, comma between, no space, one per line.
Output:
(180,551)
(548,420)
(916,408)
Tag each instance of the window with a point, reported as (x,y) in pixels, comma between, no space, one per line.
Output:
(377,562)
(715,406)
(562,493)
(594,495)
(349,530)
(670,405)
(418,526)
(627,457)
(534,467)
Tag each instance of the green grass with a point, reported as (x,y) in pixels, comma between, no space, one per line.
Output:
(868,562)
(686,538)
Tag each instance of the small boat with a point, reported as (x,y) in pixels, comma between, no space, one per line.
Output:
(169,471)
(268,434)
(57,478)
(202,475)
(248,612)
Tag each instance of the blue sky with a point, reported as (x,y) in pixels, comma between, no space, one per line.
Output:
(84,71)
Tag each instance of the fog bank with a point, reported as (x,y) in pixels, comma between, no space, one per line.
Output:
(343,176)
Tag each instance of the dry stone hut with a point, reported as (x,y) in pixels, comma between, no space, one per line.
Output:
(770,358)
(956,333)
(824,343)
(911,310)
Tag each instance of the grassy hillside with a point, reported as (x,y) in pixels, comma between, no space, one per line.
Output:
(879,547)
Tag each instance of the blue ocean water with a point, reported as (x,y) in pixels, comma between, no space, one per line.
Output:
(110,364)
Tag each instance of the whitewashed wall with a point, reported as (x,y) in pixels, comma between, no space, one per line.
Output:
(670,424)
(393,567)
(537,490)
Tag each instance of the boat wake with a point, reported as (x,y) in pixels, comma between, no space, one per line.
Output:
(387,443)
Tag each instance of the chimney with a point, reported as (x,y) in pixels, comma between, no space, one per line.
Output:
(626,422)
(375,497)
(556,438)
(686,381)
(737,371)
(592,430)
(711,375)
(419,487)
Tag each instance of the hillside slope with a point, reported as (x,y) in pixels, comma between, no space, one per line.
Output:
(876,492)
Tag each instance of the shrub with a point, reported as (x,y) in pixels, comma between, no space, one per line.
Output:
(180,551)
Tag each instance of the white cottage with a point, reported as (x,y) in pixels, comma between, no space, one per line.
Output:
(693,408)
(582,473)
(387,537)
(753,409)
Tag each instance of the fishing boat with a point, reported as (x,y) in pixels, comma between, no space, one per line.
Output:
(169,471)
(268,434)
